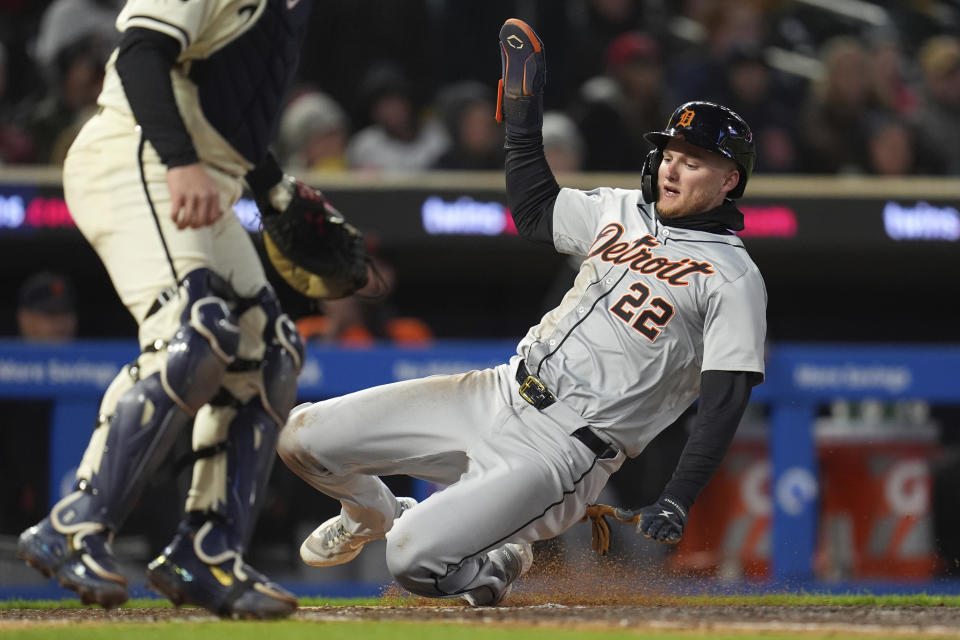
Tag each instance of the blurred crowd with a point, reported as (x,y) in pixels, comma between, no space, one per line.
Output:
(848,87)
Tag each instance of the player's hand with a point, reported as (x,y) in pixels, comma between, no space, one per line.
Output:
(195,200)
(524,74)
(663,520)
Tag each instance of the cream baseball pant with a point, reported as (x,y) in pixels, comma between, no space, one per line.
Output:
(510,473)
(116,188)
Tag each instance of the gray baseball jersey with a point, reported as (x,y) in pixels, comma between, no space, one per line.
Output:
(651,307)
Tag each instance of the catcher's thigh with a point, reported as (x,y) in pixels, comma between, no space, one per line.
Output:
(117,193)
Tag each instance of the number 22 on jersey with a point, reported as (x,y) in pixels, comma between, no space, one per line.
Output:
(650,320)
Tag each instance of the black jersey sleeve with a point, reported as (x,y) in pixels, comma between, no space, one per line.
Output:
(531,188)
(723,398)
(144,60)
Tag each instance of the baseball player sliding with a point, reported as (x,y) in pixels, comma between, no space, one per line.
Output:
(667,307)
(190,103)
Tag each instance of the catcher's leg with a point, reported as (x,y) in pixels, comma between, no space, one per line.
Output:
(141,415)
(234,442)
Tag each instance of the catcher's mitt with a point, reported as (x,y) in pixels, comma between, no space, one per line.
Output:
(312,247)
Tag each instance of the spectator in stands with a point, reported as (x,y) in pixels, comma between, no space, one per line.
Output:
(594,25)
(19,24)
(712,31)
(889,76)
(938,119)
(46,309)
(16,147)
(399,138)
(68,22)
(75,38)
(833,128)
(749,86)
(890,146)
(314,130)
(562,144)
(615,109)
(476,140)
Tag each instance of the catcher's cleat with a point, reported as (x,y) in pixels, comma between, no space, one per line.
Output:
(224,585)
(331,544)
(80,561)
(514,560)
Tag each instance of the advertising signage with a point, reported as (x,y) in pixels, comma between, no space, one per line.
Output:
(424,214)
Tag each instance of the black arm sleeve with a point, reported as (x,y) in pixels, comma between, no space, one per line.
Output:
(263,176)
(144,61)
(531,188)
(723,397)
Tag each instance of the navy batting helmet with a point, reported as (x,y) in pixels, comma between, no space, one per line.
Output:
(709,126)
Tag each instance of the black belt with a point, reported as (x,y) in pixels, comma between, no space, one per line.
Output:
(532,390)
(600,447)
(537,394)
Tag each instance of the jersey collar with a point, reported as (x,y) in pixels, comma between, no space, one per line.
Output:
(713,231)
(723,220)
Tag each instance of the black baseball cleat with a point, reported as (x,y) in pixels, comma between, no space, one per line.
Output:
(81,561)
(223,584)
(512,561)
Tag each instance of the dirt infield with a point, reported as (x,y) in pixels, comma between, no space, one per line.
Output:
(840,621)
(598,595)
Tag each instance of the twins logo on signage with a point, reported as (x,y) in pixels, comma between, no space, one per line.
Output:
(796,488)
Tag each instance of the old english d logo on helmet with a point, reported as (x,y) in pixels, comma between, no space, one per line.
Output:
(686,118)
(709,126)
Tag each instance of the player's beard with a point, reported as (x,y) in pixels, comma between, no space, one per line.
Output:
(688,203)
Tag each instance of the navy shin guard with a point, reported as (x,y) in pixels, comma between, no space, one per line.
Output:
(150,414)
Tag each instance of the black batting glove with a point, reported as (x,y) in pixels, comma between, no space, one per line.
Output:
(663,521)
(524,74)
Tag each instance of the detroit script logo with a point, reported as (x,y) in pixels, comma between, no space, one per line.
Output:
(648,316)
(638,257)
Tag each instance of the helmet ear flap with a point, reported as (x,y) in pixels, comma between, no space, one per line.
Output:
(648,175)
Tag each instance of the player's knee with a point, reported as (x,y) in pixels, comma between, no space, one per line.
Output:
(295,452)
(288,447)
(407,562)
(411,555)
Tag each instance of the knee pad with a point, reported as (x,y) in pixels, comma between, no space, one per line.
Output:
(202,347)
(269,358)
(145,408)
(235,436)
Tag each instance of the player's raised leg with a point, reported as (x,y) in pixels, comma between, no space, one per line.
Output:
(340,447)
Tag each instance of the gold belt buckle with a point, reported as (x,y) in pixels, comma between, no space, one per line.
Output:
(527,384)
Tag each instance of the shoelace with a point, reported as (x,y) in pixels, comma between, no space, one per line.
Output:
(336,535)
